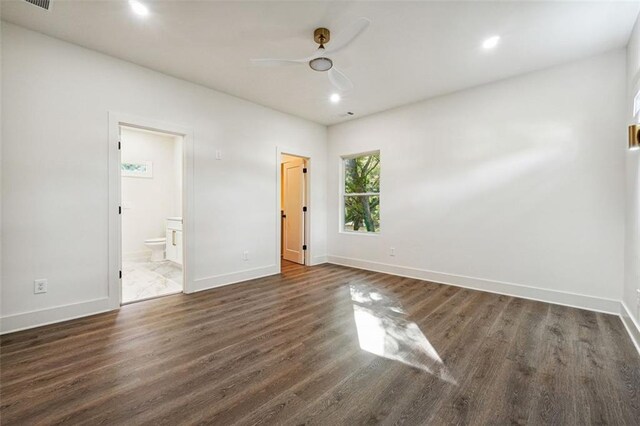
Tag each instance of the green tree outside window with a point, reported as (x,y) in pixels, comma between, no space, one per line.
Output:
(362,193)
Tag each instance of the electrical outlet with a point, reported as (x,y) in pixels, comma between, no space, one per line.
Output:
(40,286)
(218,154)
(245,255)
(392,251)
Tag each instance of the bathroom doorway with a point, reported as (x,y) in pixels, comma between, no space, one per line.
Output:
(293,209)
(151,194)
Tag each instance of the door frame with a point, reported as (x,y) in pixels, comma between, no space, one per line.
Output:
(115,218)
(307,196)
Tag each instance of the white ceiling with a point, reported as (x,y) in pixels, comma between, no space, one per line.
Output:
(411,51)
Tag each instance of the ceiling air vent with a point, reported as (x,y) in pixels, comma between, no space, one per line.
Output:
(40,3)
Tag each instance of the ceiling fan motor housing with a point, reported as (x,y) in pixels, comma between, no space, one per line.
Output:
(321,35)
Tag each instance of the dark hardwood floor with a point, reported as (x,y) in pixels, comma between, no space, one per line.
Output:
(325,345)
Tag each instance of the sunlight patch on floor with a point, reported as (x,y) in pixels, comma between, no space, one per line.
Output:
(383,330)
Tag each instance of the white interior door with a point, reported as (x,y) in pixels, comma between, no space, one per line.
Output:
(293,232)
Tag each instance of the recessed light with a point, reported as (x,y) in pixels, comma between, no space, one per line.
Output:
(491,42)
(139,8)
(335,98)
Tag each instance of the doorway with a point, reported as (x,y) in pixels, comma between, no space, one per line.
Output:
(293,208)
(151,182)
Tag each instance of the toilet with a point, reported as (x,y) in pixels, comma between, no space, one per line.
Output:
(157,246)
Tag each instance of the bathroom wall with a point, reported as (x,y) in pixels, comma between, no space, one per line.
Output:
(56,99)
(147,202)
(515,187)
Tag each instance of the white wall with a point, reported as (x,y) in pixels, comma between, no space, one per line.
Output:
(1,185)
(632,248)
(515,187)
(55,102)
(147,202)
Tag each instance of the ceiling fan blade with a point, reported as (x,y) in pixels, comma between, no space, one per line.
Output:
(345,37)
(272,62)
(339,80)
(268,62)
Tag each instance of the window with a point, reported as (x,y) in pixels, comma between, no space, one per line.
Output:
(137,169)
(361,193)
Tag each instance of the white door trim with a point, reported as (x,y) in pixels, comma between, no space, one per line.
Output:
(115,219)
(307,220)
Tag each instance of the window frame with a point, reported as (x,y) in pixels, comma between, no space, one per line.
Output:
(343,194)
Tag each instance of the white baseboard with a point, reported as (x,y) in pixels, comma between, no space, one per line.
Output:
(214,281)
(630,323)
(25,320)
(318,260)
(574,300)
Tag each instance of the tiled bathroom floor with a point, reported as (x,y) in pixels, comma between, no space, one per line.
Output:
(145,280)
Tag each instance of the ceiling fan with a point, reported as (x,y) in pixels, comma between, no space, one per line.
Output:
(320,60)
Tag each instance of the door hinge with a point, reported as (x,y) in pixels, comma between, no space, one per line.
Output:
(118,144)
(304,247)
(119,209)
(304,209)
(304,170)
(120,274)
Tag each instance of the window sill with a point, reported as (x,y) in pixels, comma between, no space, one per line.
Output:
(366,234)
